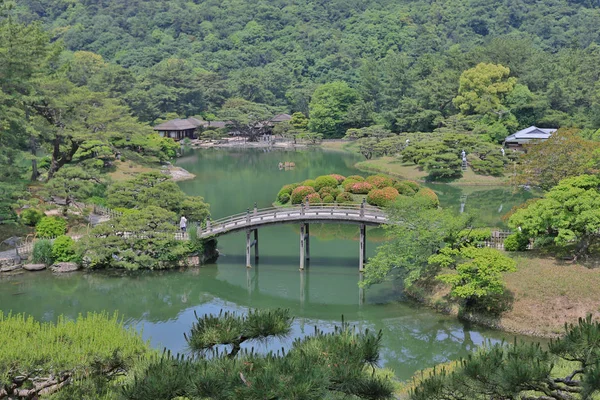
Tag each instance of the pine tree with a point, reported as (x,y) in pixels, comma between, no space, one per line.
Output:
(316,367)
(524,371)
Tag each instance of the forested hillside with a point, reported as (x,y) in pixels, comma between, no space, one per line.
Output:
(402,59)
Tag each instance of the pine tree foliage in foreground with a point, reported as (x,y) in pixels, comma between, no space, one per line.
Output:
(316,367)
(524,371)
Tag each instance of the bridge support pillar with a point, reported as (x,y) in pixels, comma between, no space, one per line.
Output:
(248,249)
(363,248)
(307,233)
(256,244)
(249,244)
(302,246)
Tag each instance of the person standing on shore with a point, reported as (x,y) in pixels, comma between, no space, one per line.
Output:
(183,223)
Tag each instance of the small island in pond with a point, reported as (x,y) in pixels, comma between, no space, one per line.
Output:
(376,190)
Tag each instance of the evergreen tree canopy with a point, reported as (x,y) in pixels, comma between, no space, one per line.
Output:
(319,366)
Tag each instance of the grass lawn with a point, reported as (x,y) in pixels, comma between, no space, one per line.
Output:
(340,145)
(125,170)
(546,293)
(397,168)
(549,293)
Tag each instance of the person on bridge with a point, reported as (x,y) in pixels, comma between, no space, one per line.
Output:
(183,223)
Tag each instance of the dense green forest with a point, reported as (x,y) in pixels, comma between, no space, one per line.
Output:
(401,59)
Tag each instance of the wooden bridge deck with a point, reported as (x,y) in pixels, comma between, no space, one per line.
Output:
(253,219)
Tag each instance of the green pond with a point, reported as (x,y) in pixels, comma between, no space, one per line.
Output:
(162,304)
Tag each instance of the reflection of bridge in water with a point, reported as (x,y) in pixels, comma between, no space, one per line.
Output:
(251,221)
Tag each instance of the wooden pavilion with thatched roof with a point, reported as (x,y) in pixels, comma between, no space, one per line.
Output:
(178,129)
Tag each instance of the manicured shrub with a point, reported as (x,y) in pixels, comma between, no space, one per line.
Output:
(50,227)
(313,198)
(63,249)
(97,200)
(309,182)
(338,178)
(361,188)
(328,190)
(344,197)
(476,235)
(31,216)
(347,184)
(300,193)
(286,189)
(430,195)
(382,197)
(516,242)
(357,178)
(413,185)
(42,252)
(284,198)
(404,189)
(379,181)
(325,181)
(328,199)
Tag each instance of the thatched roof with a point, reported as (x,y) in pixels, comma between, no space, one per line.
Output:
(175,125)
(281,118)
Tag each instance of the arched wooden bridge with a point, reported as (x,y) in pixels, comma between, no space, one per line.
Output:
(252,220)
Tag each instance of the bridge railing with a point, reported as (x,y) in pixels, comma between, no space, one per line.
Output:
(251,215)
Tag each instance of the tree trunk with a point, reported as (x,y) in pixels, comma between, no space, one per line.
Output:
(59,159)
(583,246)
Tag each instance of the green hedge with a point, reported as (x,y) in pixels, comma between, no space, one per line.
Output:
(50,227)
(63,249)
(380,181)
(382,197)
(361,188)
(31,216)
(344,197)
(286,190)
(430,195)
(325,181)
(516,242)
(328,199)
(313,198)
(300,193)
(404,189)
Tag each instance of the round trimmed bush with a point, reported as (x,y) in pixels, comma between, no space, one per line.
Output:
(325,181)
(344,197)
(309,182)
(404,189)
(430,196)
(286,189)
(50,227)
(328,199)
(300,193)
(339,178)
(413,185)
(313,198)
(516,242)
(361,188)
(347,184)
(382,197)
(380,181)
(328,190)
(63,249)
(357,178)
(31,216)
(284,198)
